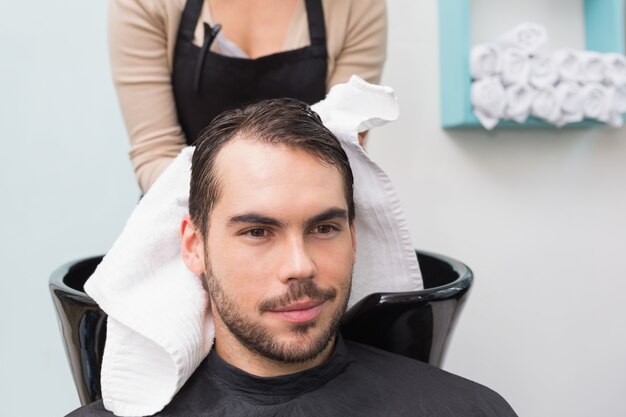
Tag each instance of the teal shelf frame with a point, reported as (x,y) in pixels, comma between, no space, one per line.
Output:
(604,32)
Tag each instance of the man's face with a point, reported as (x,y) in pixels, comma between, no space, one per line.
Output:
(279,251)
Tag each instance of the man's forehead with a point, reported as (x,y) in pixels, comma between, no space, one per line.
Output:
(248,145)
(245,151)
(259,177)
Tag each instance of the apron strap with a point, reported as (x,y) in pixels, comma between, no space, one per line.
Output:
(317,27)
(189,20)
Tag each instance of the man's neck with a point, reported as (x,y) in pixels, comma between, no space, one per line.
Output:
(240,356)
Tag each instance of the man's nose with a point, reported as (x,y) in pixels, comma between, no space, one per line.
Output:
(297,262)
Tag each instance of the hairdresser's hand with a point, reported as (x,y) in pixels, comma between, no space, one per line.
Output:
(362,136)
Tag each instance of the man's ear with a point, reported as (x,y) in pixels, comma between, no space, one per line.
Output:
(191,246)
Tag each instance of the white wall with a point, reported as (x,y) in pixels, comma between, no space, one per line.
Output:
(66,184)
(539,215)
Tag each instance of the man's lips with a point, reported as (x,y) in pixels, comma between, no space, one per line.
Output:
(299,312)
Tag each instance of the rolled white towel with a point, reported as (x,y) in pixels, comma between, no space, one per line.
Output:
(616,120)
(485,60)
(543,72)
(615,68)
(570,96)
(568,63)
(519,99)
(597,101)
(515,66)
(618,107)
(546,105)
(527,36)
(489,100)
(593,68)
(619,99)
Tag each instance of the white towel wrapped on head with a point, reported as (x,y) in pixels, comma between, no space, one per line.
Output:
(159,326)
(158,329)
(384,247)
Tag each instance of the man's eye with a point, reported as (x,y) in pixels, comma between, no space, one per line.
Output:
(256,233)
(324,229)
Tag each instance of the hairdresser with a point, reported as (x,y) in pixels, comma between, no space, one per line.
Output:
(177,64)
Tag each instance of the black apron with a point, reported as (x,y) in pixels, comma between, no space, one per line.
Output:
(206,83)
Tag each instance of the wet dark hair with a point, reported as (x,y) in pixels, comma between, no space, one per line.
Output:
(286,122)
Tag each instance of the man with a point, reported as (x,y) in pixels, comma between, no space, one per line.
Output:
(270,231)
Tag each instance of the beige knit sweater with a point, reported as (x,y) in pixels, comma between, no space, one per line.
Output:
(142,37)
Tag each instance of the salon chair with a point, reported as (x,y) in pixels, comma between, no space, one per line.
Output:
(414,324)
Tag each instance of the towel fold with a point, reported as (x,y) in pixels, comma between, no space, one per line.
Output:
(616,120)
(597,101)
(515,66)
(615,68)
(519,99)
(619,99)
(570,96)
(159,326)
(158,330)
(543,72)
(528,36)
(485,60)
(489,100)
(618,106)
(569,64)
(384,247)
(593,67)
(546,105)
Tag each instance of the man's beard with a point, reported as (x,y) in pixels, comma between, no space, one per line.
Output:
(258,338)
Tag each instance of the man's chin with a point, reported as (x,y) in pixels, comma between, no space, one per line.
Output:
(299,342)
(304,344)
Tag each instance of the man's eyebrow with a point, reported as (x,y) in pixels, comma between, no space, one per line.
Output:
(330,214)
(254,218)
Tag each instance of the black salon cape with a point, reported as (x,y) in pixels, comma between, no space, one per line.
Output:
(357,380)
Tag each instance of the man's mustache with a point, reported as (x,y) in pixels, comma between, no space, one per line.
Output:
(298,290)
